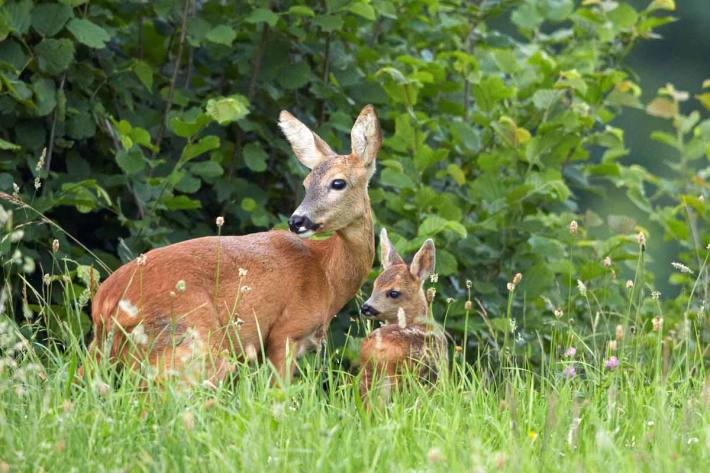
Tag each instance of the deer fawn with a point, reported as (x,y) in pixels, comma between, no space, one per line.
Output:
(272,292)
(411,339)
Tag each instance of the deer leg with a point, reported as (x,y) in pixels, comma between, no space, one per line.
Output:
(281,352)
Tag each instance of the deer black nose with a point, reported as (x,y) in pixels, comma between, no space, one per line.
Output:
(367,309)
(295,222)
(301,224)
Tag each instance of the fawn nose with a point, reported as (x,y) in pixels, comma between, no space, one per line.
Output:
(300,224)
(368,310)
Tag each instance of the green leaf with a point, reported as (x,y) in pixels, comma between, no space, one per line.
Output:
(188,184)
(456,173)
(144,73)
(131,161)
(222,34)
(546,98)
(295,76)
(364,10)
(329,23)
(55,55)
(193,150)
(207,169)
(704,99)
(301,10)
(88,33)
(396,179)
(527,16)
(435,224)
(225,110)
(248,204)
(662,107)
(186,128)
(17,15)
(7,146)
(262,15)
(49,18)
(81,125)
(11,53)
(180,202)
(623,17)
(46,96)
(255,157)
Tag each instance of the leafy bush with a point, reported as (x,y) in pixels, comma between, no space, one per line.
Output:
(134,124)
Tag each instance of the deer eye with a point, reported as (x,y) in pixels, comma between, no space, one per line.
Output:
(338,184)
(393,294)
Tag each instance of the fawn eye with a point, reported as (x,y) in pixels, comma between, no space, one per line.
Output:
(393,294)
(338,184)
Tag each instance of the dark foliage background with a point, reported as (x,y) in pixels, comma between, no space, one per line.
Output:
(133,124)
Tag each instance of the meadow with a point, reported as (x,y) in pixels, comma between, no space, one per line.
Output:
(629,400)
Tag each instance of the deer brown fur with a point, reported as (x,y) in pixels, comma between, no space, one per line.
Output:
(411,339)
(296,285)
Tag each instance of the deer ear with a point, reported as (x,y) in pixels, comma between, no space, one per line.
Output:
(309,148)
(388,255)
(424,261)
(365,137)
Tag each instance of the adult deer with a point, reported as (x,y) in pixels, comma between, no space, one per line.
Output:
(296,285)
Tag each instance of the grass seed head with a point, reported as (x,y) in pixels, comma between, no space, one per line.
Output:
(657,323)
(180,286)
(434,455)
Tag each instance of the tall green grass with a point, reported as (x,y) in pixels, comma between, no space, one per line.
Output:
(648,414)
(641,405)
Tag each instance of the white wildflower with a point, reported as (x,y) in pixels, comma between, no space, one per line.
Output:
(138,335)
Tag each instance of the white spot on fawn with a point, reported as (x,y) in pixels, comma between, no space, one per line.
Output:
(126,306)
(401,318)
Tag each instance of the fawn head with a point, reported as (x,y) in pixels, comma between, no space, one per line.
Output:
(400,286)
(336,187)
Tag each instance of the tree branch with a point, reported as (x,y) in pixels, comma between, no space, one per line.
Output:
(173,80)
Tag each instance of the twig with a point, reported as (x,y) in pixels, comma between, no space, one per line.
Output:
(173,80)
(50,148)
(257,61)
(191,55)
(467,83)
(326,73)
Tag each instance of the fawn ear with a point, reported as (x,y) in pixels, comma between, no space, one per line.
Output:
(424,261)
(365,137)
(388,255)
(309,148)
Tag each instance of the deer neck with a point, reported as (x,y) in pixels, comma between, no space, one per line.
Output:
(347,258)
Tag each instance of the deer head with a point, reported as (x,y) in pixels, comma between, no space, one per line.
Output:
(336,187)
(400,286)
